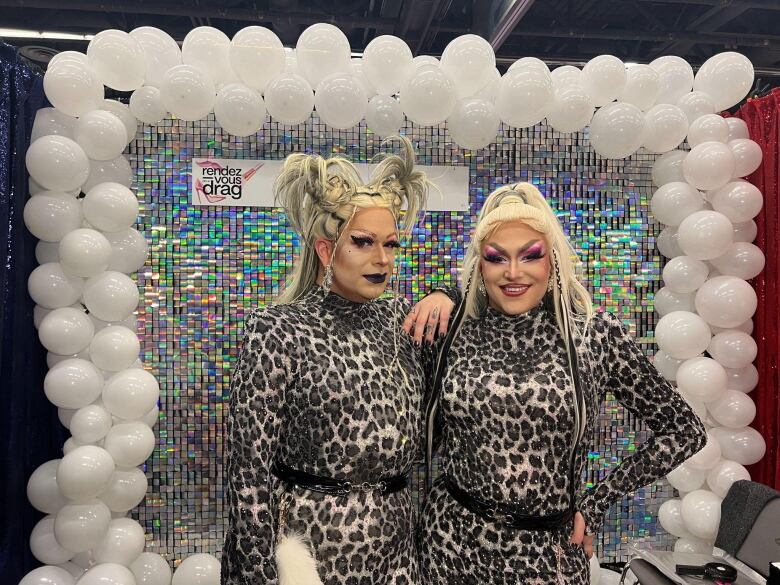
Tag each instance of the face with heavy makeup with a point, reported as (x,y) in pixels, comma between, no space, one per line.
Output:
(515,266)
(365,255)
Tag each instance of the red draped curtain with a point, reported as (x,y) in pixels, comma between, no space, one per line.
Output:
(762,116)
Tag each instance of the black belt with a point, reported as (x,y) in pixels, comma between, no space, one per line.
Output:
(337,487)
(503,514)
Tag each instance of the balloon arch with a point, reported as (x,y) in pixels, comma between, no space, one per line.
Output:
(88,247)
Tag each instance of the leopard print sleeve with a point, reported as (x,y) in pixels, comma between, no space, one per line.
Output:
(256,394)
(677,433)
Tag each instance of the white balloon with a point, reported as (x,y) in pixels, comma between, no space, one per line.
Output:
(82,525)
(57,163)
(66,331)
(101,134)
(727,77)
(90,423)
(151,569)
(525,97)
(387,63)
(110,207)
(206,49)
(428,96)
(643,84)
(108,574)
(84,252)
(67,57)
(726,301)
(197,569)
(73,88)
(469,60)
(665,128)
(747,154)
(239,109)
(572,109)
(340,101)
(114,348)
(130,443)
(709,165)
(44,545)
(702,378)
(84,473)
(290,62)
(384,115)
(126,489)
(705,234)
(83,559)
(670,517)
(123,542)
(682,335)
(701,514)
(51,288)
(667,301)
(742,259)
(708,128)
(744,445)
(289,99)
(42,490)
(322,50)
(187,92)
(673,202)
(131,393)
(161,52)
(733,349)
(675,77)
(105,171)
(257,56)
(52,121)
(357,69)
(474,123)
(733,410)
(51,214)
(47,575)
(742,379)
(566,76)
(693,545)
(724,474)
(111,296)
(738,200)
(686,479)
(117,59)
(695,105)
(146,104)
(129,250)
(530,63)
(668,168)
(122,111)
(666,365)
(490,90)
(745,231)
(737,129)
(684,274)
(604,78)
(616,130)
(421,60)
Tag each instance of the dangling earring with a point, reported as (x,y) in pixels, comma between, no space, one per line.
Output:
(481,286)
(550,283)
(327,280)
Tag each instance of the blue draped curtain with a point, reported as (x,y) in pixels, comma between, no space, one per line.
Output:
(30,433)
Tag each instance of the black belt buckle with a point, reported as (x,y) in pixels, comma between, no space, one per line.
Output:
(718,572)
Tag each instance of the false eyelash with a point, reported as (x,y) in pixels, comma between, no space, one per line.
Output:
(393,244)
(362,241)
(495,259)
(535,256)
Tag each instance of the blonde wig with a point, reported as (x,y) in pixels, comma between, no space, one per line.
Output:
(320,196)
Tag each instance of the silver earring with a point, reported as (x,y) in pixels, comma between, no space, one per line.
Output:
(549,284)
(481,286)
(327,280)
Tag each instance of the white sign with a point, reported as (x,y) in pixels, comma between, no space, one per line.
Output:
(249,183)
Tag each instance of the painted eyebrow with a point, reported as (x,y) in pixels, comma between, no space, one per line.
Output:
(523,249)
(373,235)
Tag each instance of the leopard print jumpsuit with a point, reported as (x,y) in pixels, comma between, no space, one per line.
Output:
(507,420)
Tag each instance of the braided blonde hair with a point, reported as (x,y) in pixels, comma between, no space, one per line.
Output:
(321,196)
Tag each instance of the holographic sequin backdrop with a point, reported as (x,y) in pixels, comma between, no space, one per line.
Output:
(210,266)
